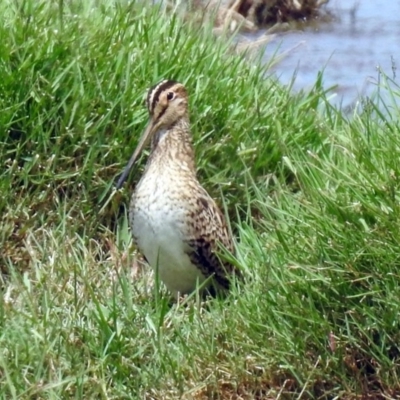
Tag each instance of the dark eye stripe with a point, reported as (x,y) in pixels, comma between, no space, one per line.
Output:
(155,91)
(161,113)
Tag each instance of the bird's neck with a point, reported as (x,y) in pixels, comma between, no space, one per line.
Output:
(173,146)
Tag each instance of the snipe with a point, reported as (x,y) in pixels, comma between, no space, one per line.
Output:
(175,223)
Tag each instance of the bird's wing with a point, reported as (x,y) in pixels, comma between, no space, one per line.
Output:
(207,231)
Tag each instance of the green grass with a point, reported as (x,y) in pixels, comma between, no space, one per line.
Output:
(313,199)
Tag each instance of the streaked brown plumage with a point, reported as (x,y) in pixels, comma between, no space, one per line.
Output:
(175,223)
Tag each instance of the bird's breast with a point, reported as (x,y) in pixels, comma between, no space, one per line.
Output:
(158,219)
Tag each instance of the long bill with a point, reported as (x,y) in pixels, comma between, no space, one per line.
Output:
(142,144)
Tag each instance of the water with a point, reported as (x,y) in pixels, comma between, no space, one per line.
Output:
(364,36)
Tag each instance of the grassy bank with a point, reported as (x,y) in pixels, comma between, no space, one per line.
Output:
(313,199)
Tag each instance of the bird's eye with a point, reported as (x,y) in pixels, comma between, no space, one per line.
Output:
(170,95)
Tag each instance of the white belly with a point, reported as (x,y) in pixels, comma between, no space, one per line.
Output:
(157,226)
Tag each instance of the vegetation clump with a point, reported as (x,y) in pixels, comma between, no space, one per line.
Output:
(267,12)
(252,15)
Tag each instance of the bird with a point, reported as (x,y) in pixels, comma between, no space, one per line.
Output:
(175,223)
